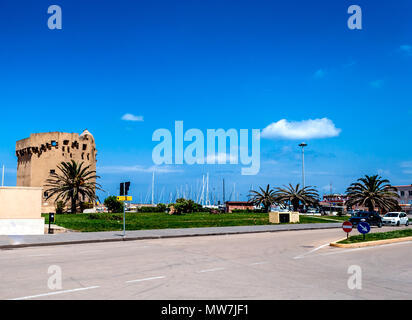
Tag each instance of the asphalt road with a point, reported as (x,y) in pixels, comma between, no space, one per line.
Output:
(282,265)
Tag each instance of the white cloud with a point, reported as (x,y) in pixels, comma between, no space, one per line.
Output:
(132,117)
(407,167)
(406,164)
(305,129)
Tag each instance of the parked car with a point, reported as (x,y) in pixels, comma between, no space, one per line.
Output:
(395,219)
(373,218)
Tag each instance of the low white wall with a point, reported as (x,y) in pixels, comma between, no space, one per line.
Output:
(20,211)
(21,226)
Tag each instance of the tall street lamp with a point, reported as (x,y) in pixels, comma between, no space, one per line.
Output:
(303,145)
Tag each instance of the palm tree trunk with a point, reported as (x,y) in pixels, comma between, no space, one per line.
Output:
(74,205)
(295,205)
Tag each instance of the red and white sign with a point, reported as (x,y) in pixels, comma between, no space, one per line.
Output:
(347,226)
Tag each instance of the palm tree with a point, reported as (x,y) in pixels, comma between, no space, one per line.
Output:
(294,195)
(373,192)
(264,197)
(73,181)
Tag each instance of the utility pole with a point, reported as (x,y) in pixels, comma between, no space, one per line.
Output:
(303,145)
(330,200)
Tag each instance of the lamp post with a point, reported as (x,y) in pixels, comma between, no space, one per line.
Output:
(303,145)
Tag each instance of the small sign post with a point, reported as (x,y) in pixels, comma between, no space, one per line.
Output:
(347,227)
(124,190)
(364,228)
(51,219)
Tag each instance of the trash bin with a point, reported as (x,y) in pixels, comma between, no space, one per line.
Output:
(284,218)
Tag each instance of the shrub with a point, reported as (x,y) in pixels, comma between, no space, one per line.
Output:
(185,206)
(113,205)
(59,207)
(160,207)
(86,205)
(248,211)
(146,209)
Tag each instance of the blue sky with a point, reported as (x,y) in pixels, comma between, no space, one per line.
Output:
(213,64)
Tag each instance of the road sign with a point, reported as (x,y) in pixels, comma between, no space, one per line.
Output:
(347,226)
(125,198)
(124,188)
(364,227)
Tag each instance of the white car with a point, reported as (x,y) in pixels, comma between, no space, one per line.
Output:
(395,219)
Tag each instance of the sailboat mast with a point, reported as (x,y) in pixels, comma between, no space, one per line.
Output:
(207,189)
(153,187)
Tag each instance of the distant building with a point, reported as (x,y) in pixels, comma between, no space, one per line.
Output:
(405,200)
(335,199)
(39,155)
(239,205)
(333,202)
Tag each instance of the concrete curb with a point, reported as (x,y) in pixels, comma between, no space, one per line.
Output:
(368,243)
(134,238)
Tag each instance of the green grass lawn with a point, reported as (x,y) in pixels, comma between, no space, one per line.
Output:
(156,220)
(379,236)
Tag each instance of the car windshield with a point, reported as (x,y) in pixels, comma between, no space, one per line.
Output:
(391,214)
(360,214)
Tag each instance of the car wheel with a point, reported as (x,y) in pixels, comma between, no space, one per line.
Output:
(407,223)
(380,225)
(398,223)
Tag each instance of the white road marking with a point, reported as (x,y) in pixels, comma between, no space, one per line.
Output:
(211,270)
(55,292)
(364,248)
(306,253)
(342,250)
(146,279)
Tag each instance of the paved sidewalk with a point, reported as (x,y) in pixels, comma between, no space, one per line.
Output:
(90,237)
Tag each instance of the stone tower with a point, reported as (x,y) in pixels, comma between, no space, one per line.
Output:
(39,155)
